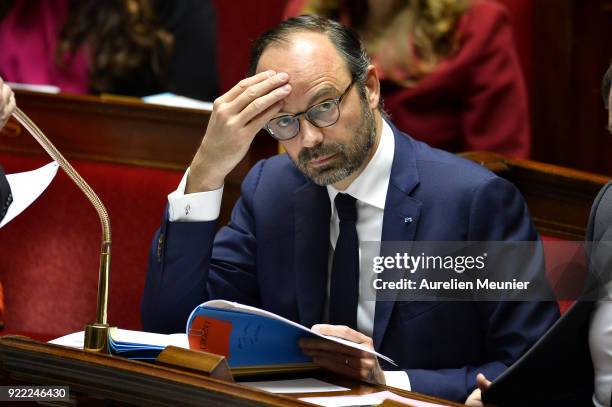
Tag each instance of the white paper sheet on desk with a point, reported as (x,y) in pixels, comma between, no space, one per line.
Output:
(126,338)
(372,399)
(308,385)
(74,340)
(26,187)
(172,100)
(32,87)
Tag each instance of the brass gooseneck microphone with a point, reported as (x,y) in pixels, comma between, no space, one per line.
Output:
(96,334)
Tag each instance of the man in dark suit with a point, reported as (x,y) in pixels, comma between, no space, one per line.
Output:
(347,173)
(7,105)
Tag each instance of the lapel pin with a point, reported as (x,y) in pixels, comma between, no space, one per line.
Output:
(408,220)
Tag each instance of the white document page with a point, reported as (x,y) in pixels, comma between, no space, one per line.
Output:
(26,187)
(372,399)
(308,385)
(75,340)
(126,336)
(172,100)
(343,401)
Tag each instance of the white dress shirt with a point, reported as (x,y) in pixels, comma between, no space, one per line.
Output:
(370,190)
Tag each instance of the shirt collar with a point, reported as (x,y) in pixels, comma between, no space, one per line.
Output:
(371,185)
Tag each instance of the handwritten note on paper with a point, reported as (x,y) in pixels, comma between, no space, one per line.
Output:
(308,385)
(26,187)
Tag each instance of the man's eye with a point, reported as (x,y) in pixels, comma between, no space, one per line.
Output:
(284,121)
(324,107)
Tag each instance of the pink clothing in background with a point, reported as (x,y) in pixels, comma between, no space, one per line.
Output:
(28,40)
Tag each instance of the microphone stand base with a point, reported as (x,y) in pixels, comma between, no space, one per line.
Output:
(96,338)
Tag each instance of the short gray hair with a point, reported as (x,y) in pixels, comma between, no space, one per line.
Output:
(345,39)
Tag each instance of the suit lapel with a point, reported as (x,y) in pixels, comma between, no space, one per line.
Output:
(311,213)
(400,220)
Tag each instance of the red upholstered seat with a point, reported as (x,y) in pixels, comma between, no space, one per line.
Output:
(565,268)
(49,255)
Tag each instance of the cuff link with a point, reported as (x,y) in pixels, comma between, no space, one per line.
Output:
(160,247)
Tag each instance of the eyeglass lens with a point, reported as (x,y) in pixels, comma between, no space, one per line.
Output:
(322,115)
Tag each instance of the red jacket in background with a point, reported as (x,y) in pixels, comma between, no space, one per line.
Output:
(476,99)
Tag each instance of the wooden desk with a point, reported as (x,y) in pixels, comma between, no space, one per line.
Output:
(558,198)
(115,379)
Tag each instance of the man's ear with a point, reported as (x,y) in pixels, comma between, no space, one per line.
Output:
(372,86)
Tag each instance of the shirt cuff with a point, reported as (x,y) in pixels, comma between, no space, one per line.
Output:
(397,378)
(196,207)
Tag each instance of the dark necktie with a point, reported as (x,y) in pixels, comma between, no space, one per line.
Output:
(344,287)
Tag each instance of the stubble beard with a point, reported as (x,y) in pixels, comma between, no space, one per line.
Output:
(349,157)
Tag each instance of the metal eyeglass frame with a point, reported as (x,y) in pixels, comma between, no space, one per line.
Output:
(297,116)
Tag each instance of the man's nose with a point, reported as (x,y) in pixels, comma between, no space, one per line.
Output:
(311,135)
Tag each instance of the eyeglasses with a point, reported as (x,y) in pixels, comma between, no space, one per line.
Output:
(322,114)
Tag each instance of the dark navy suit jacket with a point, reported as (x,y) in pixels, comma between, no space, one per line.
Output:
(274,254)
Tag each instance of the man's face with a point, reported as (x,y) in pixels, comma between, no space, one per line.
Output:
(329,155)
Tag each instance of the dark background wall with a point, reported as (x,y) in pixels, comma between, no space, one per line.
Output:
(572,50)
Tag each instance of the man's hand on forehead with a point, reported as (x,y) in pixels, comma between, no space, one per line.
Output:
(237,117)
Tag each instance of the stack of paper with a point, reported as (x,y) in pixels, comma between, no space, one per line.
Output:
(130,344)
(142,345)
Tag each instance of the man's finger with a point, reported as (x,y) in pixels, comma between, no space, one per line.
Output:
(351,361)
(5,94)
(337,368)
(11,104)
(330,346)
(7,104)
(482,382)
(259,105)
(256,91)
(260,120)
(240,87)
(340,331)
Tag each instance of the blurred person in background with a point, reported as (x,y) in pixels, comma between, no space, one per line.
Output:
(449,69)
(128,47)
(600,333)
